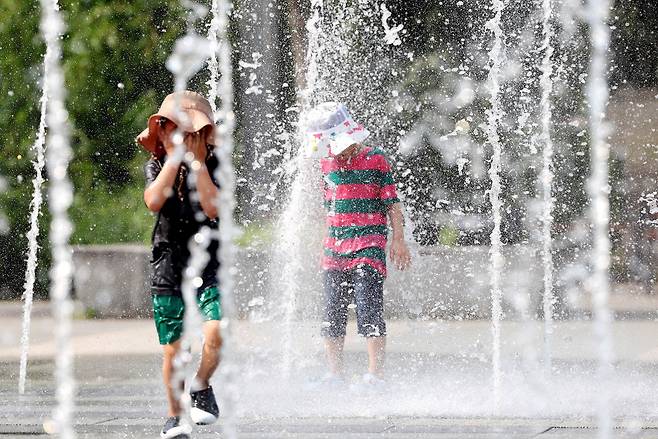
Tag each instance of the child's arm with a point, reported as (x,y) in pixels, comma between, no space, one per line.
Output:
(205,187)
(399,252)
(207,192)
(161,188)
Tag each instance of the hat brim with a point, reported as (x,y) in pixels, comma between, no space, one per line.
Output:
(190,121)
(343,141)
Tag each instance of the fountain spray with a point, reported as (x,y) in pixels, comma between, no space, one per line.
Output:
(497,261)
(60,197)
(599,191)
(33,233)
(188,56)
(192,320)
(301,195)
(546,86)
(221,83)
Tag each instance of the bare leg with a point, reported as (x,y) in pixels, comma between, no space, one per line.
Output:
(169,353)
(376,355)
(334,349)
(210,353)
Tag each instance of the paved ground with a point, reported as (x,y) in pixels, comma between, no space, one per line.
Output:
(439,382)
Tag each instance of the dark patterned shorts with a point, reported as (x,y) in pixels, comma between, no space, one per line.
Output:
(363,286)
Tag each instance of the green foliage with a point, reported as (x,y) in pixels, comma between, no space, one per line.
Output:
(105,216)
(114,61)
(89,314)
(20,69)
(256,234)
(449,236)
(115,55)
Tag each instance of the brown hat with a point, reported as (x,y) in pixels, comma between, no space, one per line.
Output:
(187,109)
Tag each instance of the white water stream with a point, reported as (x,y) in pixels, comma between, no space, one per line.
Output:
(497,262)
(221,85)
(189,55)
(599,190)
(33,233)
(546,177)
(302,197)
(60,197)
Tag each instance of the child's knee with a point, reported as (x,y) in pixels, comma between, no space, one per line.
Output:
(214,342)
(212,336)
(170,350)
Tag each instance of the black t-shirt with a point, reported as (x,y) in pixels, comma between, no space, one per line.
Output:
(175,225)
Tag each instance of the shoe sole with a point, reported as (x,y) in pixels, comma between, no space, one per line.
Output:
(201,417)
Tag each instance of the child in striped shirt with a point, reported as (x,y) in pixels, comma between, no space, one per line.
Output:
(360,198)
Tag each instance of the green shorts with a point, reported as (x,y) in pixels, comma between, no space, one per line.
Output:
(168,312)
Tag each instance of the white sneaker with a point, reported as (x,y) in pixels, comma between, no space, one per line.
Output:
(204,408)
(369,383)
(373,380)
(328,382)
(173,428)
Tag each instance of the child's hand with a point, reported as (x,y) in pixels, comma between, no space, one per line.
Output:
(165,133)
(169,146)
(196,144)
(399,254)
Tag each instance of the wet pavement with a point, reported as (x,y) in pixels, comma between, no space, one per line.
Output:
(439,383)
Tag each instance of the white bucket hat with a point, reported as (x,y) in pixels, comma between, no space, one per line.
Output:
(330,128)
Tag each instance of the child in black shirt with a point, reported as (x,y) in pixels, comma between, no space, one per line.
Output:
(180,217)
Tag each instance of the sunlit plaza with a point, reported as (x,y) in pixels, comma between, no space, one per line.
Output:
(329,219)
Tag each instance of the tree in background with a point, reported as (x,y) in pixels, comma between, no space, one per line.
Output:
(114,55)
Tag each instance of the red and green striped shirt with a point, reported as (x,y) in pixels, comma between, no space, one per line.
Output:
(358,193)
